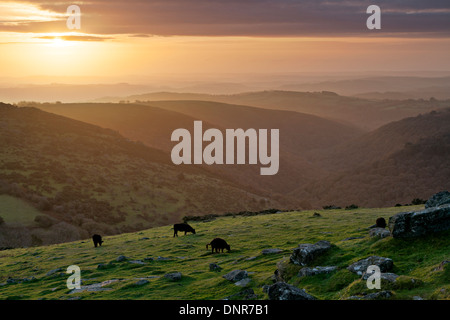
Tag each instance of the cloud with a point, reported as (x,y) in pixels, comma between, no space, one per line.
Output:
(75,38)
(246,17)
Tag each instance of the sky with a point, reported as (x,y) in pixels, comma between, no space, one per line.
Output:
(145,37)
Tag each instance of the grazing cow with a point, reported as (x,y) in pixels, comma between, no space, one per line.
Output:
(381,223)
(97,240)
(218,244)
(182,227)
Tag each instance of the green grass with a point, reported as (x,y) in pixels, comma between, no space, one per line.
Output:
(247,236)
(15,210)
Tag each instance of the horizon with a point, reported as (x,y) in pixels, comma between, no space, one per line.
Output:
(147,40)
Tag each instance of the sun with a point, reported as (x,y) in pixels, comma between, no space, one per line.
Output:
(59,43)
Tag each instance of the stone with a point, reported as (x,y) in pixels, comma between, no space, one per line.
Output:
(236,275)
(380,295)
(441,265)
(379,232)
(270,251)
(306,253)
(360,267)
(121,258)
(243,283)
(214,267)
(54,271)
(438,199)
(141,282)
(137,262)
(307,272)
(390,277)
(419,223)
(173,276)
(284,291)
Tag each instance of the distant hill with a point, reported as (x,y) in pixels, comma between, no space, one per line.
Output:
(86,179)
(154,122)
(400,161)
(366,114)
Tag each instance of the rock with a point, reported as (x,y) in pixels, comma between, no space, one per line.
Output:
(214,267)
(284,291)
(102,266)
(441,265)
(419,223)
(360,267)
(306,253)
(378,295)
(137,262)
(243,283)
(173,276)
(307,272)
(141,282)
(438,199)
(379,232)
(316,214)
(121,258)
(162,258)
(54,271)
(270,251)
(236,275)
(391,277)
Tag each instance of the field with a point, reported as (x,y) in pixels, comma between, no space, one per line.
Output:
(39,272)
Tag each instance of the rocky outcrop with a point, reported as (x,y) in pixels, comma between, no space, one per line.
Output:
(438,199)
(360,267)
(419,223)
(379,232)
(284,291)
(306,253)
(307,272)
(236,275)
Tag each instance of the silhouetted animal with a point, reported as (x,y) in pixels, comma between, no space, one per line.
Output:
(218,244)
(380,223)
(97,240)
(182,227)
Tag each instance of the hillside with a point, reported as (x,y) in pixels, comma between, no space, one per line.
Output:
(85,179)
(366,114)
(322,162)
(39,273)
(154,122)
(394,164)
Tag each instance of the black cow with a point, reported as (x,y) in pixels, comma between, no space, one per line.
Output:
(97,240)
(380,223)
(182,227)
(218,244)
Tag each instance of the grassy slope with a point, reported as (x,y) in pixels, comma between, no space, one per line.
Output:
(247,237)
(14,210)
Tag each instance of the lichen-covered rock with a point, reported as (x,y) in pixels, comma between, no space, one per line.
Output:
(438,199)
(307,272)
(236,275)
(284,291)
(306,253)
(360,267)
(419,223)
(379,232)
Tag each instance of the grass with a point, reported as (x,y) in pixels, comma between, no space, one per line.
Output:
(248,236)
(15,210)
